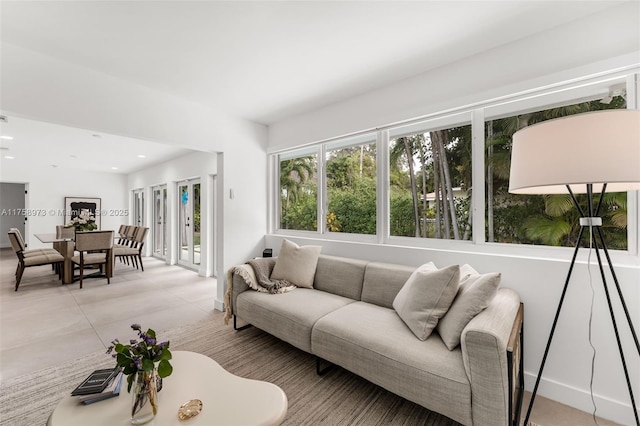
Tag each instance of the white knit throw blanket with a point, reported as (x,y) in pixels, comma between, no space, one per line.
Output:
(248,274)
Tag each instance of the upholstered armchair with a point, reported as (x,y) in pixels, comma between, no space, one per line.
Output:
(134,252)
(94,249)
(28,258)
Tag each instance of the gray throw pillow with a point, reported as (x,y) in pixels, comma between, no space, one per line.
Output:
(426,297)
(475,293)
(296,264)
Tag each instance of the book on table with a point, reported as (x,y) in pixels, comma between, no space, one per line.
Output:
(96,382)
(112,389)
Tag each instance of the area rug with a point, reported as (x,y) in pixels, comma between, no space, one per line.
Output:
(337,398)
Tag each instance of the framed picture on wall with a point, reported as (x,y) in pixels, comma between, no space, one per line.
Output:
(77,208)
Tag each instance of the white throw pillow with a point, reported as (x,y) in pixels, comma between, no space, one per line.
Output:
(426,297)
(296,264)
(475,293)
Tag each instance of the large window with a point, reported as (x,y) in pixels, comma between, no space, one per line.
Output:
(542,219)
(298,192)
(430,183)
(434,178)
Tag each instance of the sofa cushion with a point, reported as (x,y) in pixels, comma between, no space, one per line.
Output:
(426,297)
(474,295)
(296,264)
(340,275)
(374,343)
(288,316)
(383,281)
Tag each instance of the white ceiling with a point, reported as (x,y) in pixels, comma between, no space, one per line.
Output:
(43,145)
(267,60)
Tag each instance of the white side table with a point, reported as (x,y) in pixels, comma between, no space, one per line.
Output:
(226,399)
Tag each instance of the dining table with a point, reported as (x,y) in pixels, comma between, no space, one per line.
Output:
(65,247)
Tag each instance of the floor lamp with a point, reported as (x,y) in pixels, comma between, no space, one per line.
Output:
(587,153)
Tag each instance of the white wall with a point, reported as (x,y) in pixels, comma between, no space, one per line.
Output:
(586,47)
(40,87)
(201,165)
(48,188)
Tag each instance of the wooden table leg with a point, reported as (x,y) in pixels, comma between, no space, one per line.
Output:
(109,267)
(66,249)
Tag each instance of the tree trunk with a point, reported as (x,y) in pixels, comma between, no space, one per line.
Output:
(467,228)
(424,188)
(442,139)
(436,188)
(414,189)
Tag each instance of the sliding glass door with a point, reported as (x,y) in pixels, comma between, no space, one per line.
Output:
(138,207)
(159,221)
(189,223)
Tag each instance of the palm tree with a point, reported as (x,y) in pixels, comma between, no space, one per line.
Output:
(557,224)
(294,173)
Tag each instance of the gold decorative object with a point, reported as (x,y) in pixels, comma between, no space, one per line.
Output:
(190,409)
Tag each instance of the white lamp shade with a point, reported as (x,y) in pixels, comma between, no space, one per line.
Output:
(591,148)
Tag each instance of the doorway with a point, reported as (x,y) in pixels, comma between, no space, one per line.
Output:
(13,199)
(138,207)
(189,223)
(159,233)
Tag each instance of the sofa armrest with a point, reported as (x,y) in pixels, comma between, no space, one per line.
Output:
(238,285)
(484,344)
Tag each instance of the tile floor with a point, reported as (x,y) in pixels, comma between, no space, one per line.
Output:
(44,323)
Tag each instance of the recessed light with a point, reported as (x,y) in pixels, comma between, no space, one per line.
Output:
(9,138)
(54,165)
(114,168)
(9,157)
(142,156)
(73,156)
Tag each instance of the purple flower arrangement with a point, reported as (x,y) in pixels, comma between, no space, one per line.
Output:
(142,355)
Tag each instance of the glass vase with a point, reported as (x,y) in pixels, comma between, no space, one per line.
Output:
(144,397)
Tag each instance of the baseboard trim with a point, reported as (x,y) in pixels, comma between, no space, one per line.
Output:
(218,305)
(607,408)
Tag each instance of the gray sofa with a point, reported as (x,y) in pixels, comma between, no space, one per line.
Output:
(347,319)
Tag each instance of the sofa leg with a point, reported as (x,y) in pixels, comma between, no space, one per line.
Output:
(235,325)
(319,371)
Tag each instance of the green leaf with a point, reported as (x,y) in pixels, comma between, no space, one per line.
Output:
(557,205)
(546,230)
(122,359)
(147,364)
(130,378)
(166,354)
(164,368)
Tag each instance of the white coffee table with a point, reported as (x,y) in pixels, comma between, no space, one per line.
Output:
(226,399)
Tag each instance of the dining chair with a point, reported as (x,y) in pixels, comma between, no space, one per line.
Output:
(125,237)
(94,249)
(23,246)
(122,233)
(64,232)
(33,252)
(37,257)
(134,252)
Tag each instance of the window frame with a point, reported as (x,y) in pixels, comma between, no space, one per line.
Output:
(477,114)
